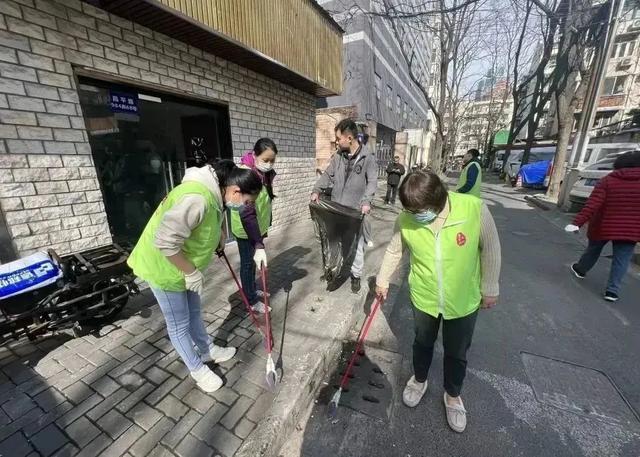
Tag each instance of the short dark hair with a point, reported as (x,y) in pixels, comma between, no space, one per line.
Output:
(421,190)
(229,174)
(474,152)
(263,144)
(629,159)
(347,126)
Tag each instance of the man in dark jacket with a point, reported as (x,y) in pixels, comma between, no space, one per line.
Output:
(470,179)
(613,214)
(352,175)
(395,170)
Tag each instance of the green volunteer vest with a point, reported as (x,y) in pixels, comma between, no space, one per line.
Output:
(445,269)
(148,263)
(263,212)
(475,190)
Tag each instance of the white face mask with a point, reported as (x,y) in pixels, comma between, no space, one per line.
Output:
(264,166)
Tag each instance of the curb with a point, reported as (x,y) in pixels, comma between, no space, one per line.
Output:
(545,206)
(298,391)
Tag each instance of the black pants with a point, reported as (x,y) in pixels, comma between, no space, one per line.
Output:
(456,339)
(392,191)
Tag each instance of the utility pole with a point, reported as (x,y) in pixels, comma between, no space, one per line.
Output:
(592,98)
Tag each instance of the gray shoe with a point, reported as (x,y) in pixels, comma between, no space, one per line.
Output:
(456,415)
(413,392)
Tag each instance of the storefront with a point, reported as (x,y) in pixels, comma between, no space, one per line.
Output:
(141,143)
(103,105)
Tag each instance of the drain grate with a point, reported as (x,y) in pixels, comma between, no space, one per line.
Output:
(577,389)
(371,389)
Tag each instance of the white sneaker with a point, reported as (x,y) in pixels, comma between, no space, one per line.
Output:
(218,354)
(260,307)
(261,294)
(206,379)
(413,392)
(456,415)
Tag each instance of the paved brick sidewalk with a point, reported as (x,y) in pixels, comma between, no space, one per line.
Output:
(123,390)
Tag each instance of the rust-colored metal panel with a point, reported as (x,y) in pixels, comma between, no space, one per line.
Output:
(296,34)
(294,41)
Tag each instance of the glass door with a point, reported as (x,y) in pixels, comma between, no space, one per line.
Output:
(142,142)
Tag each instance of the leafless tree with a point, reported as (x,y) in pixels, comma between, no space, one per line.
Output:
(580,29)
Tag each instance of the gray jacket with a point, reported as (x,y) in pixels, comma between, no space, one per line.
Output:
(359,187)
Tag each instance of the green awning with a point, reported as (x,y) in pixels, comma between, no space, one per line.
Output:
(501,137)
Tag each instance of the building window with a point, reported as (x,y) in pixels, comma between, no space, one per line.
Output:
(398,103)
(614,85)
(378,86)
(624,49)
(389,97)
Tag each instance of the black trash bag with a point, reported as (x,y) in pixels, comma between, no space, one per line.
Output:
(339,229)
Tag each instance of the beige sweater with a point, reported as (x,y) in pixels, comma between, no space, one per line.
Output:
(490,255)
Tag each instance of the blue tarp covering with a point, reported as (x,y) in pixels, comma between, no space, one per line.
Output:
(533,174)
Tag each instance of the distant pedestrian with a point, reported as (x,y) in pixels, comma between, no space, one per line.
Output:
(352,176)
(454,270)
(250,223)
(175,250)
(471,177)
(613,214)
(395,171)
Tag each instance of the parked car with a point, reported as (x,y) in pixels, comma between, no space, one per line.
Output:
(535,175)
(498,161)
(514,162)
(589,177)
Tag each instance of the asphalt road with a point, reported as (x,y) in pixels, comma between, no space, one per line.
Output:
(550,369)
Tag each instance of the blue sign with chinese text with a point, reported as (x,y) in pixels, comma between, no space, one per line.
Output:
(121,102)
(29,277)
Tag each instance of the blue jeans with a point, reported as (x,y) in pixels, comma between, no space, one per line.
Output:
(622,254)
(185,326)
(247,269)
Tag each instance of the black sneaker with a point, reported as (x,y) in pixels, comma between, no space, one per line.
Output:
(610,296)
(576,272)
(355,284)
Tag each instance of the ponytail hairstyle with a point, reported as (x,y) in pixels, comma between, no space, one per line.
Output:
(231,175)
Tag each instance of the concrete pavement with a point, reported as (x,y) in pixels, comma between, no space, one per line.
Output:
(550,370)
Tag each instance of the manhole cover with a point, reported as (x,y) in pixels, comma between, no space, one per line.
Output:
(371,390)
(578,389)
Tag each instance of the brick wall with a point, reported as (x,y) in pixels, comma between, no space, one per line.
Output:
(326,120)
(48,187)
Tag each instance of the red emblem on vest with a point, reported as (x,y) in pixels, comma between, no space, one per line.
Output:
(461,239)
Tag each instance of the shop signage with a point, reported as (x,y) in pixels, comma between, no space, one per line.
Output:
(121,102)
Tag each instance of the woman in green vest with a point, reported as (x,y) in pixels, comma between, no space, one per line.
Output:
(250,223)
(455,266)
(175,249)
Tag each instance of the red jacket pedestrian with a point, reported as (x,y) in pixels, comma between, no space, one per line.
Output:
(613,209)
(613,214)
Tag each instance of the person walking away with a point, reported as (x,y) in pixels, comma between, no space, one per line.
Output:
(470,179)
(395,171)
(613,214)
(454,270)
(250,222)
(353,176)
(174,250)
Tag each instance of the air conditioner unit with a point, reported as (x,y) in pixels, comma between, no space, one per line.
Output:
(634,26)
(624,63)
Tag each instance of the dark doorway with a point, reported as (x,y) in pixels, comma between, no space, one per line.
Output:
(142,142)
